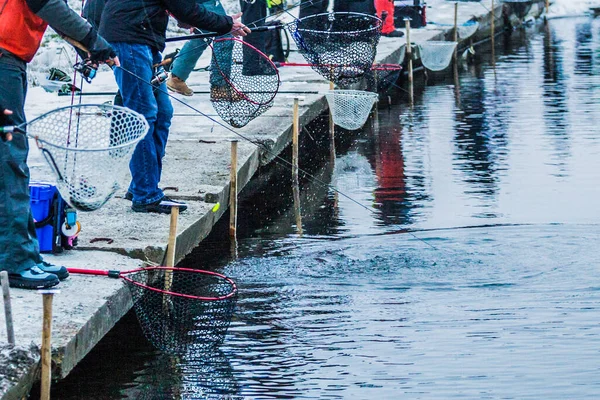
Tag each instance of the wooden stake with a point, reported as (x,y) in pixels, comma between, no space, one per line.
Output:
(410,63)
(47,296)
(493,35)
(10,330)
(295,139)
(331,130)
(547,6)
(233,191)
(456,22)
(171,249)
(295,161)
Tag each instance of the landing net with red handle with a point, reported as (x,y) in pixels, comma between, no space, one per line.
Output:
(179,309)
(341,46)
(244,81)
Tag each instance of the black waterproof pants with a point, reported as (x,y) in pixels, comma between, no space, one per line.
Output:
(254,16)
(19,248)
(308,7)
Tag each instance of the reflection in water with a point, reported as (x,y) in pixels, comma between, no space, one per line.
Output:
(349,311)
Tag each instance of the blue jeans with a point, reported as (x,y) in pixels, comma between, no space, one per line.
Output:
(138,95)
(190,53)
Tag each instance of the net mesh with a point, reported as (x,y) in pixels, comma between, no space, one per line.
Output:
(182,310)
(244,81)
(436,56)
(340,46)
(350,108)
(468,29)
(88,147)
(383,77)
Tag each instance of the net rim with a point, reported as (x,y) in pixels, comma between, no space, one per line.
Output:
(109,108)
(352,93)
(233,293)
(377,27)
(261,54)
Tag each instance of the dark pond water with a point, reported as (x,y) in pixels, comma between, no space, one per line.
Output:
(495,291)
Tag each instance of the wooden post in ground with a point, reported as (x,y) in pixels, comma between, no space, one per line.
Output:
(10,329)
(493,34)
(46,378)
(456,22)
(233,191)
(331,130)
(410,63)
(171,247)
(295,162)
(547,7)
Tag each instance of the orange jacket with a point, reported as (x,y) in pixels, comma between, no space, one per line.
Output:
(21,31)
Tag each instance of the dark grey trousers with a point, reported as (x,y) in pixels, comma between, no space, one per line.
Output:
(19,248)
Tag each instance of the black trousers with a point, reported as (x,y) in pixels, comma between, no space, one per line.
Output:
(254,16)
(19,248)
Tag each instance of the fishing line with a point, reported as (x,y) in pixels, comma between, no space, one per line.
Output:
(276,157)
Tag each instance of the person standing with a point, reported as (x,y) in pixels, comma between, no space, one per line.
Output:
(22,26)
(136,29)
(187,58)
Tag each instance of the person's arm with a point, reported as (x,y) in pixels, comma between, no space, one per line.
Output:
(191,13)
(66,21)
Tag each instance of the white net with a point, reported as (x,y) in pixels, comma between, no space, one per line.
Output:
(350,108)
(468,29)
(88,147)
(436,56)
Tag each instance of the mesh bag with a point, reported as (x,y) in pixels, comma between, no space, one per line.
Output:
(436,56)
(88,148)
(181,309)
(243,80)
(350,108)
(468,29)
(340,46)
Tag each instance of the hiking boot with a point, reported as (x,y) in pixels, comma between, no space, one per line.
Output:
(224,93)
(33,278)
(129,196)
(60,272)
(179,86)
(163,206)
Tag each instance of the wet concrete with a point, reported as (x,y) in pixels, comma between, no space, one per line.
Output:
(197,165)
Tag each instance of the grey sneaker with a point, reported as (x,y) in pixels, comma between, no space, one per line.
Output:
(60,272)
(33,278)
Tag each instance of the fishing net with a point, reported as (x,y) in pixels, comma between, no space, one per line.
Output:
(180,309)
(468,29)
(244,81)
(88,147)
(436,55)
(350,108)
(383,77)
(340,46)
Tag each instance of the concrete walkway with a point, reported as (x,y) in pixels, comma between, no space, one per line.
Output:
(197,165)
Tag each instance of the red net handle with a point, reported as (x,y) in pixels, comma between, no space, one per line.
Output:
(121,274)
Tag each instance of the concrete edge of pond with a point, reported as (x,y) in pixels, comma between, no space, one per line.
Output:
(83,316)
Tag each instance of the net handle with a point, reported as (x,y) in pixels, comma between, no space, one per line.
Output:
(261,54)
(121,274)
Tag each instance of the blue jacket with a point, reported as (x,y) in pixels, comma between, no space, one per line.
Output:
(145,21)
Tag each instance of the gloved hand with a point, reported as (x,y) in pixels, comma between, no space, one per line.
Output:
(100,50)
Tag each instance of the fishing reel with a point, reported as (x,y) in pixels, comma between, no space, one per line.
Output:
(86,69)
(160,76)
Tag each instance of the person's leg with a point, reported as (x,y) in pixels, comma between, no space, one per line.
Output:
(138,96)
(254,15)
(163,120)
(19,248)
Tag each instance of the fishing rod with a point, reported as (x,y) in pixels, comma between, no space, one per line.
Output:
(300,92)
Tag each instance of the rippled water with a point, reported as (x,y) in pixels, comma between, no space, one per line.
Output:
(361,308)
